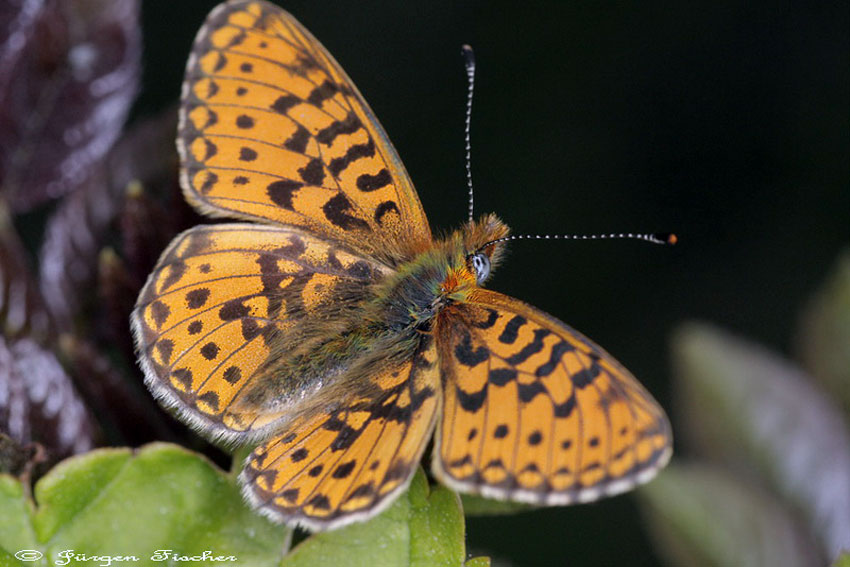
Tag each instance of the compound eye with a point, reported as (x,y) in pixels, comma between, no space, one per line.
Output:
(481,266)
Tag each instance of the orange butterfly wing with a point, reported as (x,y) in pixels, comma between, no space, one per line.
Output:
(346,462)
(536,412)
(272,129)
(221,304)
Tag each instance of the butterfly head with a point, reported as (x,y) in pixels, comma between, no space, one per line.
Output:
(483,255)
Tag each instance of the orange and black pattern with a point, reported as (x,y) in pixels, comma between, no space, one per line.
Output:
(272,129)
(536,412)
(222,296)
(334,334)
(325,467)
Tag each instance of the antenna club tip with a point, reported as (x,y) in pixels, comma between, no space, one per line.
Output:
(468,54)
(668,238)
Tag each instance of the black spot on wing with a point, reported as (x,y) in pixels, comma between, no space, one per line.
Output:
(290,495)
(530,349)
(298,141)
(250,329)
(511,330)
(210,399)
(383,209)
(294,249)
(471,401)
(322,93)
(585,376)
(247,154)
(566,408)
(176,270)
(284,103)
(528,392)
(165,347)
(468,356)
(237,39)
(210,351)
(353,153)
(196,298)
(209,182)
(397,470)
(320,502)
(313,173)
(220,62)
(366,182)
(336,211)
(282,191)
(160,312)
(184,376)
(362,491)
(348,125)
(343,470)
(212,89)
(210,150)
(244,122)
(232,375)
(501,376)
(233,309)
(555,356)
(346,435)
(465,460)
(492,317)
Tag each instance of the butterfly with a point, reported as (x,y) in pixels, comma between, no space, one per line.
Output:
(331,330)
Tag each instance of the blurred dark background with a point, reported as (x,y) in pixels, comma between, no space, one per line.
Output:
(726,123)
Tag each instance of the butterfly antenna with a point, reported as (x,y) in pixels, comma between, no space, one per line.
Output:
(469,63)
(655,238)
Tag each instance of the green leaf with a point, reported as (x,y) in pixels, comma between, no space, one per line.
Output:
(842,560)
(824,335)
(751,410)
(423,528)
(120,502)
(700,516)
(15,530)
(478,562)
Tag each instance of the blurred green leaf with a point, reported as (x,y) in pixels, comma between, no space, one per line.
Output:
(824,335)
(16,530)
(118,502)
(747,408)
(843,560)
(423,528)
(700,516)
(478,562)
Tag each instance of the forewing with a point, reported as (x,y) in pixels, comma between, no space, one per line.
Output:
(536,412)
(272,129)
(344,464)
(221,303)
